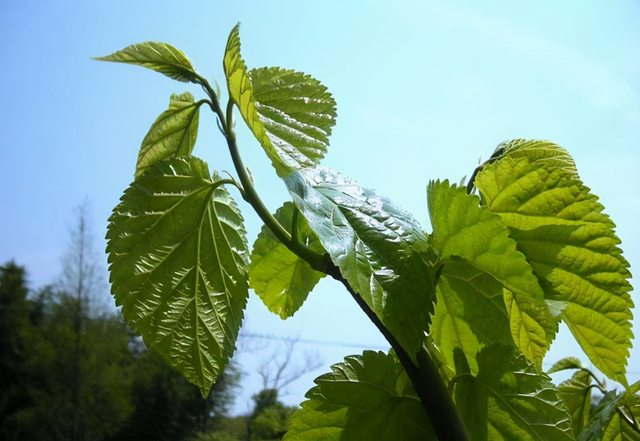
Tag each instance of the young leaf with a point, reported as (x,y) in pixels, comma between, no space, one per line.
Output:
(509,400)
(173,134)
(463,229)
(161,57)
(564,364)
(178,256)
(297,113)
(282,279)
(607,423)
(575,393)
(377,246)
(289,113)
(571,245)
(367,397)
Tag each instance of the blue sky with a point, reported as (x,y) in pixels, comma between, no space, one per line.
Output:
(424,89)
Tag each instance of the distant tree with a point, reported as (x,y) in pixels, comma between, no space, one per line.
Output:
(80,278)
(280,369)
(103,403)
(14,313)
(167,406)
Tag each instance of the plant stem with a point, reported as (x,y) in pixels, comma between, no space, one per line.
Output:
(317,261)
(425,378)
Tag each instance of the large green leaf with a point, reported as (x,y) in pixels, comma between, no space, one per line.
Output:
(289,113)
(462,229)
(178,256)
(282,279)
(571,245)
(172,134)
(509,400)
(367,397)
(161,57)
(377,246)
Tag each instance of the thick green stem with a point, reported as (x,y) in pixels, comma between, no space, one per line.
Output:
(425,378)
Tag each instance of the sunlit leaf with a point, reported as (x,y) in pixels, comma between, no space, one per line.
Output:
(509,400)
(364,398)
(290,113)
(161,57)
(178,256)
(297,113)
(282,279)
(571,245)
(377,246)
(463,229)
(173,134)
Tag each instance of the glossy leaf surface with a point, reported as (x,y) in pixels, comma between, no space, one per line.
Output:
(367,397)
(571,245)
(161,57)
(463,229)
(279,277)
(509,400)
(177,254)
(289,113)
(377,246)
(173,134)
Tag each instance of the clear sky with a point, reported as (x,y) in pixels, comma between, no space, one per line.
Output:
(424,89)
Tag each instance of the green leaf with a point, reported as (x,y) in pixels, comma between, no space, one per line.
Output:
(469,314)
(297,113)
(619,427)
(282,279)
(463,229)
(178,256)
(364,398)
(289,113)
(161,57)
(378,247)
(564,364)
(571,245)
(173,134)
(607,423)
(575,393)
(509,400)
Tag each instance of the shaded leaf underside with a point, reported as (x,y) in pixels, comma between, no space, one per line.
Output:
(508,400)
(280,278)
(367,397)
